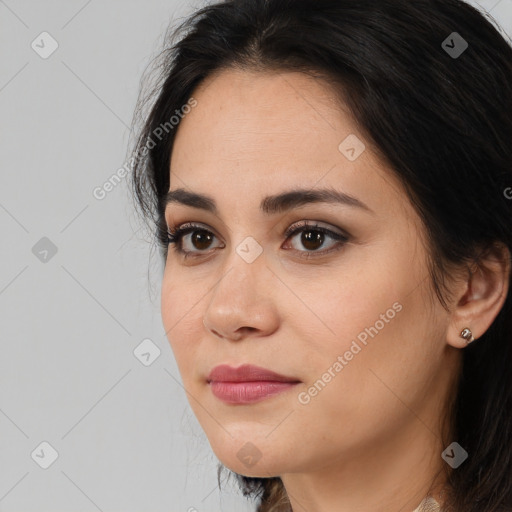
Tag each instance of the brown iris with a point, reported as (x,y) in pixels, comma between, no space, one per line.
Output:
(201,239)
(312,239)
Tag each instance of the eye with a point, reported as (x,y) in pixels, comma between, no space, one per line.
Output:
(313,237)
(200,238)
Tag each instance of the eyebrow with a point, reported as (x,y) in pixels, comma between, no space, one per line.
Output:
(271,204)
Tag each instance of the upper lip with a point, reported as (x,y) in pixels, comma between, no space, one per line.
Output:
(246,373)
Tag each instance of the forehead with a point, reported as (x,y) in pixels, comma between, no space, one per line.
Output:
(254,132)
(246,108)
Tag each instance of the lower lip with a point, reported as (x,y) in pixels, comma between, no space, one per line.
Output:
(248,392)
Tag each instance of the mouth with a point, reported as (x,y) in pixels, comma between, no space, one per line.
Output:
(246,373)
(248,392)
(247,383)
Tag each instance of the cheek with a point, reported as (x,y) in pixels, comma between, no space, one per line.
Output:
(357,299)
(169,303)
(181,320)
(181,298)
(374,316)
(376,290)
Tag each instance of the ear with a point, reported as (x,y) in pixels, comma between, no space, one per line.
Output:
(480,296)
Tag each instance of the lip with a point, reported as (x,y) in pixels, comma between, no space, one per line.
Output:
(246,373)
(247,383)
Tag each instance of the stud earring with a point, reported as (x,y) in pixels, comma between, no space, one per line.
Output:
(467,335)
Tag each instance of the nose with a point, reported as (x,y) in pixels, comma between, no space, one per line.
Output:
(223,333)
(242,303)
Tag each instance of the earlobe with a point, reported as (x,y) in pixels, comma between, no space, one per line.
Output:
(467,335)
(484,293)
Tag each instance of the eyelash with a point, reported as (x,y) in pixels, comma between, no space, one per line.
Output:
(174,237)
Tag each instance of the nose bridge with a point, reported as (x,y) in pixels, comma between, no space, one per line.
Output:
(240,298)
(243,270)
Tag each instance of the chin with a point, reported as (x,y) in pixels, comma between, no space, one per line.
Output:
(250,459)
(256,471)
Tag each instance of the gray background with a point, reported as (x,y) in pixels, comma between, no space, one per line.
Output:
(71,322)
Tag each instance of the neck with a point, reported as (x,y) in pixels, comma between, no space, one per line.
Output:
(394,474)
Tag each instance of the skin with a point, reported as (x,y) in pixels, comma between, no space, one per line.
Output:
(371,439)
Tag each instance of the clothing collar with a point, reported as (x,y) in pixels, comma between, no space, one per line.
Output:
(429,504)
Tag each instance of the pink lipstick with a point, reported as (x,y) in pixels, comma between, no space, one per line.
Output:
(247,383)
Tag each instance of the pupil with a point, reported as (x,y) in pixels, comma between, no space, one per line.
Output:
(200,237)
(309,240)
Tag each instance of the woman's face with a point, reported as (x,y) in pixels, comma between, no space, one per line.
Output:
(353,320)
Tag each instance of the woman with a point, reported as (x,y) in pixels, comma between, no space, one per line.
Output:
(330,183)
